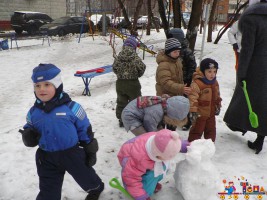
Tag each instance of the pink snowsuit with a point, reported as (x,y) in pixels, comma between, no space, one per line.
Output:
(135,162)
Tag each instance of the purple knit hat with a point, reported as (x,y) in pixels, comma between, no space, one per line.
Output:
(131,42)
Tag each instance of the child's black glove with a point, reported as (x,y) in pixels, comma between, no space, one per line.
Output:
(30,137)
(235,46)
(193,116)
(90,151)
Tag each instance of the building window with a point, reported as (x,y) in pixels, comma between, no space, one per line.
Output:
(220,16)
(232,6)
(220,7)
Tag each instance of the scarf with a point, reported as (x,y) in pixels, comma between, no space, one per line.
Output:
(55,102)
(146,101)
(160,167)
(208,82)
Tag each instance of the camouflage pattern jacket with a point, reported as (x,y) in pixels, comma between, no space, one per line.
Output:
(128,65)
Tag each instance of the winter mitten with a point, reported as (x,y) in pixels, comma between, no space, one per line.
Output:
(235,46)
(90,150)
(193,116)
(185,143)
(30,137)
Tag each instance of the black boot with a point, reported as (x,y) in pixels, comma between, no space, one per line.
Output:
(94,195)
(257,144)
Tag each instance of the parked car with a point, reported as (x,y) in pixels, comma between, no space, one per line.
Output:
(123,24)
(158,22)
(100,22)
(142,22)
(116,21)
(95,18)
(28,21)
(66,25)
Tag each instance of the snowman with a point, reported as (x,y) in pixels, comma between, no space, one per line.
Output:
(196,177)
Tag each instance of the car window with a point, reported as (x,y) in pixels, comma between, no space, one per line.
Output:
(72,21)
(80,19)
(61,20)
(77,19)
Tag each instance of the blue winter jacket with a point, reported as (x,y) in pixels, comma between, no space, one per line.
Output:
(60,129)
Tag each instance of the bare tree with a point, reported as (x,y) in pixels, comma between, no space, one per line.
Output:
(136,13)
(192,30)
(231,21)
(150,16)
(211,20)
(177,14)
(163,16)
(125,15)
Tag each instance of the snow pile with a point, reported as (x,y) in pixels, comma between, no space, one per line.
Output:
(196,177)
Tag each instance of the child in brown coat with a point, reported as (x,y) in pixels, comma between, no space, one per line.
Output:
(205,101)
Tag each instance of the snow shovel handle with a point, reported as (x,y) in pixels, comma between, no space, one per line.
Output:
(246,95)
(116,184)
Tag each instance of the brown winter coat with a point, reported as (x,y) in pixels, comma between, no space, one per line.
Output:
(204,98)
(169,76)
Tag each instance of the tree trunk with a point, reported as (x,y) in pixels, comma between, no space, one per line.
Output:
(192,30)
(149,16)
(229,24)
(125,15)
(177,14)
(136,13)
(211,20)
(163,16)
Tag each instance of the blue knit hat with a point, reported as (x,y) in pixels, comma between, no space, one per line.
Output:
(131,42)
(47,72)
(177,107)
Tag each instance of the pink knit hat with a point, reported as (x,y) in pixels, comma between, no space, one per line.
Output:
(166,144)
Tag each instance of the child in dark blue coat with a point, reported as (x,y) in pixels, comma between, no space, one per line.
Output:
(60,127)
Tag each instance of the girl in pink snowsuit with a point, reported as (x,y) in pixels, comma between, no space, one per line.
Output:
(145,159)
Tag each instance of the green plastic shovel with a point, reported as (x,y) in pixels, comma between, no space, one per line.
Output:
(253,118)
(116,184)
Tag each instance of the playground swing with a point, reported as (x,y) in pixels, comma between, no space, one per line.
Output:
(94,11)
(91,29)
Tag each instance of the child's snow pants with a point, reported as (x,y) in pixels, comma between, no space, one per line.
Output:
(206,125)
(127,90)
(51,167)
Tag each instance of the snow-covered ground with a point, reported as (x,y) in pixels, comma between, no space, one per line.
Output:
(18,178)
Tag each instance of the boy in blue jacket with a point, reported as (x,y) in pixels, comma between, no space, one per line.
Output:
(60,127)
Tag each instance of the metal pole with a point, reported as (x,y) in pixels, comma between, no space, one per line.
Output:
(206,18)
(104,31)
